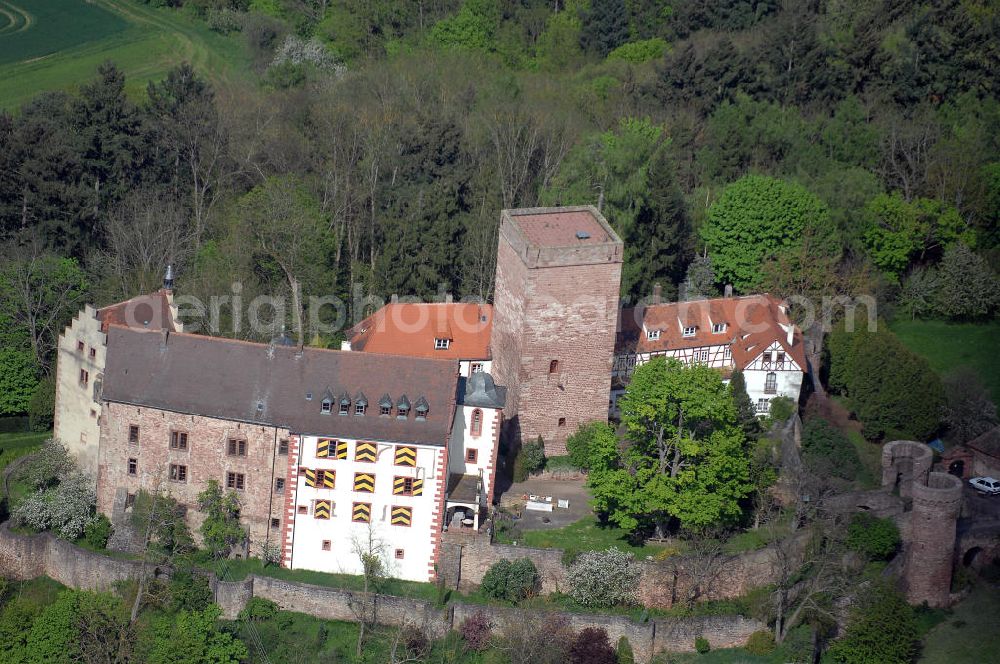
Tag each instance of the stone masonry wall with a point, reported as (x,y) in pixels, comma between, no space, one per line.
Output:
(25,557)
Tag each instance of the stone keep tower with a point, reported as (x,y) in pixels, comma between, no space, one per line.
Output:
(929,533)
(555,311)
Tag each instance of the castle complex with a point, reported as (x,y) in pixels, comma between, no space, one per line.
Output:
(395,437)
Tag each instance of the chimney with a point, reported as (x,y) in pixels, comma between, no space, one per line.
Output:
(791,335)
(729,290)
(168,279)
(657,294)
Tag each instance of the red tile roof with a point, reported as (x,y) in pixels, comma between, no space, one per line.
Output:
(411,328)
(559,229)
(143,312)
(752,323)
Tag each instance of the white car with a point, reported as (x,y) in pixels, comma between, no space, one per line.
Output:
(986,485)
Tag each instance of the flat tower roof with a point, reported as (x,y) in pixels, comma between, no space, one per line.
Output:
(562,227)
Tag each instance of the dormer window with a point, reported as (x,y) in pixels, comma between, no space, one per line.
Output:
(326,406)
(403,408)
(385,406)
(345,404)
(718,328)
(360,404)
(653,335)
(441,344)
(689,331)
(422,408)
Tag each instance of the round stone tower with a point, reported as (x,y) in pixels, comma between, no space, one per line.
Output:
(905,463)
(931,554)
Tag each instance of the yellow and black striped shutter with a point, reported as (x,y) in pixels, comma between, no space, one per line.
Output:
(341,450)
(418,487)
(362,512)
(322,509)
(405,456)
(323,448)
(401,516)
(365,452)
(310,476)
(399,485)
(329,477)
(364,482)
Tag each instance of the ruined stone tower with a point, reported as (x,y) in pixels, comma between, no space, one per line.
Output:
(555,311)
(929,530)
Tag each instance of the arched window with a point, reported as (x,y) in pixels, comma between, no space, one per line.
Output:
(477,423)
(554,366)
(771,383)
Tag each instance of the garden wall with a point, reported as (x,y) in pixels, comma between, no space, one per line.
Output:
(29,556)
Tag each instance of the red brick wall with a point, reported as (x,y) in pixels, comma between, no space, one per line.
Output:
(554,311)
(206,458)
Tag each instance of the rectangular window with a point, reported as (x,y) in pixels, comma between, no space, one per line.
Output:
(133,434)
(689,331)
(471,455)
(704,356)
(766,359)
(283,447)
(780,361)
(771,383)
(442,344)
(235,481)
(326,406)
(322,509)
(365,452)
(178,473)
(129,500)
(178,440)
(477,367)
(84,377)
(359,409)
(237,447)
(401,516)
(279,485)
(325,479)
(344,408)
(562,421)
(405,456)
(402,486)
(653,335)
(384,410)
(729,352)
(718,328)
(275,522)
(763,405)
(303,509)
(79,346)
(399,554)
(364,482)
(133,466)
(93,353)
(326,545)
(361,513)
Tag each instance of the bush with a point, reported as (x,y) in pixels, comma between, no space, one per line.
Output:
(585,443)
(882,630)
(415,641)
(702,645)
(760,642)
(534,455)
(510,580)
(66,509)
(873,537)
(625,655)
(476,631)
(98,532)
(259,609)
(604,578)
(826,451)
(782,408)
(591,646)
(190,592)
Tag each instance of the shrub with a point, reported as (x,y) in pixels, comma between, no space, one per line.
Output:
(98,532)
(476,631)
(520,473)
(882,630)
(190,592)
(591,646)
(782,408)
(510,580)
(66,509)
(625,655)
(873,537)
(604,578)
(826,451)
(760,642)
(51,462)
(415,641)
(702,645)
(258,609)
(587,442)
(534,455)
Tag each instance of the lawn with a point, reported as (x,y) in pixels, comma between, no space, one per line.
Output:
(588,534)
(970,634)
(66,40)
(950,345)
(14,445)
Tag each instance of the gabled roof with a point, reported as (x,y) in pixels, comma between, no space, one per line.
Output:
(261,383)
(411,328)
(143,312)
(752,324)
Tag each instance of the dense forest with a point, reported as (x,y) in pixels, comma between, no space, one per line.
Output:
(802,147)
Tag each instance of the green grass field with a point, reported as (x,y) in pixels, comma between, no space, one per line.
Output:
(971,634)
(62,42)
(950,345)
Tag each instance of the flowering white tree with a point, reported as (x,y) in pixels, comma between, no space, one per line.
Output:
(298,51)
(604,578)
(66,509)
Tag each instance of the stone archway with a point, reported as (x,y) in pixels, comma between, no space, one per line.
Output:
(957,468)
(970,557)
